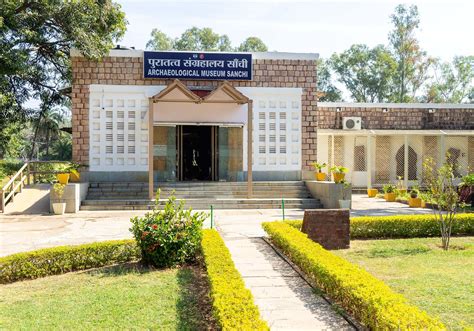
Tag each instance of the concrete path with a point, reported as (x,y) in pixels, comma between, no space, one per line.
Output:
(33,200)
(284,299)
(362,205)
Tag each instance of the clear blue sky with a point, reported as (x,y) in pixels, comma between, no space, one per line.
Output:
(324,27)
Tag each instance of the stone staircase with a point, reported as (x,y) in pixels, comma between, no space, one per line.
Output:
(200,195)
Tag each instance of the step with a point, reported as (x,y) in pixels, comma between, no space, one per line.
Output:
(141,204)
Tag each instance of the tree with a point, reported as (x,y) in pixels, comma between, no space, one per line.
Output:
(444,193)
(48,128)
(412,63)
(35,40)
(252,44)
(329,92)
(205,39)
(366,73)
(159,41)
(453,82)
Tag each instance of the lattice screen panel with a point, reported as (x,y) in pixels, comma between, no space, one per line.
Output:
(118,125)
(277,134)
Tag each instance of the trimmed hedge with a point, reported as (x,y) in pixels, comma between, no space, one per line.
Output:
(62,259)
(232,302)
(368,299)
(402,226)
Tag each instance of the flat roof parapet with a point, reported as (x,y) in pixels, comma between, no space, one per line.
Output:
(396,105)
(255,55)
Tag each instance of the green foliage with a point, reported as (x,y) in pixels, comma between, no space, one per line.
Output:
(330,93)
(62,259)
(318,166)
(389,188)
(202,39)
(9,168)
(59,190)
(444,193)
(467,180)
(339,169)
(35,41)
(368,74)
(368,299)
(168,237)
(252,44)
(453,82)
(412,63)
(402,226)
(233,304)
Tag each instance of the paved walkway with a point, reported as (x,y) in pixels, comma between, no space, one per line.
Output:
(284,299)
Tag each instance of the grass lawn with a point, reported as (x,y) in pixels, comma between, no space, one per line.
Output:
(442,283)
(124,297)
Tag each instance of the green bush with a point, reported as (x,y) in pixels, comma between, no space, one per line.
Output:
(168,237)
(402,226)
(368,299)
(232,302)
(62,259)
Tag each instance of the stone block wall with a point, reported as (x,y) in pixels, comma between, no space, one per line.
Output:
(328,227)
(128,71)
(398,118)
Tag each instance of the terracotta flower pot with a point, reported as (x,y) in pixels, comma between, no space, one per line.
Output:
(63,178)
(320,176)
(414,202)
(372,192)
(423,204)
(390,197)
(338,176)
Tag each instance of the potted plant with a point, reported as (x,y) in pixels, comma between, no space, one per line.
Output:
(424,196)
(63,174)
(319,175)
(466,189)
(372,192)
(74,174)
(338,173)
(345,201)
(414,201)
(389,190)
(59,207)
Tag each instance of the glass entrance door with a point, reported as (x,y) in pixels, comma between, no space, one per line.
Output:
(196,153)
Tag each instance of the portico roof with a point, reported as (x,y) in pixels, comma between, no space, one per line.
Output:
(178,92)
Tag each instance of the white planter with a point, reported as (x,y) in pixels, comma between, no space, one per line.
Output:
(345,204)
(59,208)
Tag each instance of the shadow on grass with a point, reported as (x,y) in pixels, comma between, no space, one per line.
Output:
(120,270)
(194,304)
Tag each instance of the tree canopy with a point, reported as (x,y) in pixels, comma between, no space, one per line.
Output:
(202,39)
(35,40)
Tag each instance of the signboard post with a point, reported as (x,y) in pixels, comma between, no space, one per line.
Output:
(197,65)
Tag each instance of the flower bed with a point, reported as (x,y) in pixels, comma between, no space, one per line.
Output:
(368,299)
(402,226)
(233,303)
(62,259)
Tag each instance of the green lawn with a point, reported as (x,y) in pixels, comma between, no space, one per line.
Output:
(123,297)
(442,283)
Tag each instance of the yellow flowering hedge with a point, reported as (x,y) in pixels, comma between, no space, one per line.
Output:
(232,302)
(368,299)
(402,226)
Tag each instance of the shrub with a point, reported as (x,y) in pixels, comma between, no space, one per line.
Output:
(232,302)
(368,299)
(402,226)
(168,237)
(389,188)
(62,259)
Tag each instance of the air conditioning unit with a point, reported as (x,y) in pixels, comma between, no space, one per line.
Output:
(352,123)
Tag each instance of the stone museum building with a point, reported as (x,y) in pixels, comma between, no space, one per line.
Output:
(170,117)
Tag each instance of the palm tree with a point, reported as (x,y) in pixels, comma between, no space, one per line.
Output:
(47,126)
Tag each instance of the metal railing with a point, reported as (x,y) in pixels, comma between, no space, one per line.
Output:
(31,172)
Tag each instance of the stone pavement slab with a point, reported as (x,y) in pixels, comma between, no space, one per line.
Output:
(284,299)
